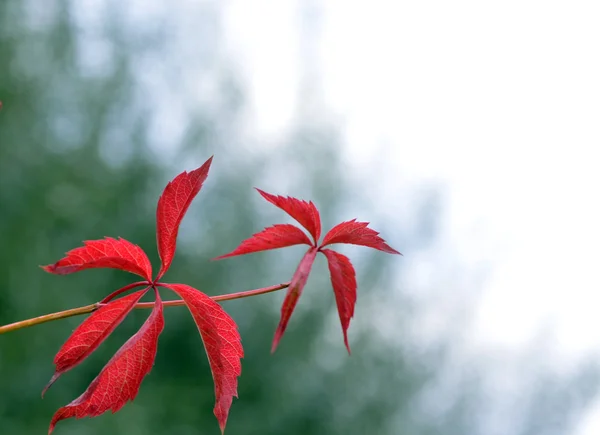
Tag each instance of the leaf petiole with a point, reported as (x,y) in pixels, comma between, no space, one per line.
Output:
(123,290)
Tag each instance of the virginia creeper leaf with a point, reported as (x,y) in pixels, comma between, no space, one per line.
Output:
(357,233)
(304,212)
(119,381)
(277,236)
(293,293)
(172,206)
(91,333)
(222,344)
(108,252)
(343,280)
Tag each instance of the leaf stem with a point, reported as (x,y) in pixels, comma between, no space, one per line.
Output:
(124,289)
(93,307)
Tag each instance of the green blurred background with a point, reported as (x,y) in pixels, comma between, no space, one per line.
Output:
(96,119)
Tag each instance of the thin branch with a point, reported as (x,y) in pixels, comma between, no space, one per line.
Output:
(219,298)
(93,307)
(48,318)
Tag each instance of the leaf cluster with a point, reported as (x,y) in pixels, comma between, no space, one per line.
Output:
(120,379)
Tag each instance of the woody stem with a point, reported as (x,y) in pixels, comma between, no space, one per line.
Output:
(93,307)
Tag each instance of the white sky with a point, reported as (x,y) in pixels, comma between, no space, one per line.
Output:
(499,103)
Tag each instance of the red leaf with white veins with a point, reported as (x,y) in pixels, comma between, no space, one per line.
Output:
(277,236)
(222,344)
(172,206)
(120,380)
(304,212)
(293,294)
(357,233)
(343,280)
(108,252)
(92,332)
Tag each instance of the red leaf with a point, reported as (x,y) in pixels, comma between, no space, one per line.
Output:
(172,206)
(304,212)
(222,344)
(91,333)
(277,236)
(343,280)
(119,381)
(293,294)
(109,252)
(357,233)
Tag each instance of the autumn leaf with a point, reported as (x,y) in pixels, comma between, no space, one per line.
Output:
(277,236)
(222,344)
(120,380)
(304,212)
(110,253)
(343,281)
(343,276)
(357,233)
(172,206)
(293,294)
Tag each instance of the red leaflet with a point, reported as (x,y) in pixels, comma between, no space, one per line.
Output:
(109,252)
(222,343)
(293,294)
(92,332)
(304,212)
(172,206)
(119,381)
(277,236)
(343,280)
(357,233)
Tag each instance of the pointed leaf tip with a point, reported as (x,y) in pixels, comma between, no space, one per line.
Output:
(52,380)
(305,213)
(172,207)
(357,233)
